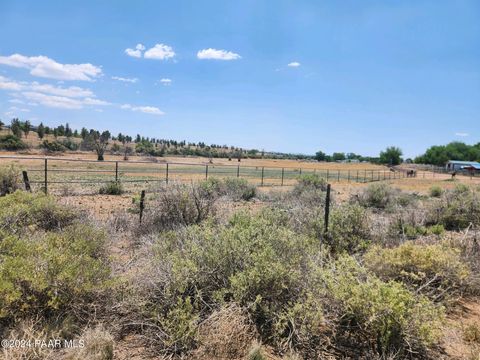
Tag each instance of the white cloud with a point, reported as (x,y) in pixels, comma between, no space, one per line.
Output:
(7,84)
(14,108)
(130,80)
(72,91)
(462,134)
(145,109)
(294,64)
(45,67)
(159,52)
(166,81)
(214,54)
(137,52)
(16,101)
(53,101)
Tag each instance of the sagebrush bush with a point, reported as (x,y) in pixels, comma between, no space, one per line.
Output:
(308,182)
(51,273)
(111,188)
(53,146)
(233,188)
(388,312)
(256,261)
(436,191)
(435,270)
(377,195)
(9,179)
(456,209)
(178,205)
(23,211)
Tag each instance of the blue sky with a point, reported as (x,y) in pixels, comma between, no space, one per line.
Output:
(291,76)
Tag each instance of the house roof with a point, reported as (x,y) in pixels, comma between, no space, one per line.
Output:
(472,163)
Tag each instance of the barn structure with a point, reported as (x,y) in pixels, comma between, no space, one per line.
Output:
(457,165)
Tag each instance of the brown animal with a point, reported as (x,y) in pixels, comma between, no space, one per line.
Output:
(411,173)
(454,174)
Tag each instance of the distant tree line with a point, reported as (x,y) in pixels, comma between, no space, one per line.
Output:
(440,154)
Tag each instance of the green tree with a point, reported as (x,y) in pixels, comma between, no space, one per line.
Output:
(320,156)
(338,156)
(27,126)
(41,131)
(16,128)
(391,155)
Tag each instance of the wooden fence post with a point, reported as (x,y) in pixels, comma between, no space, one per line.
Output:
(206,172)
(46,177)
(26,181)
(327,209)
(142,204)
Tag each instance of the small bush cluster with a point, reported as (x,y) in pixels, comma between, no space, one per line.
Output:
(435,270)
(53,146)
(49,264)
(178,206)
(386,311)
(12,143)
(9,179)
(382,196)
(234,188)
(456,209)
(309,182)
(111,188)
(436,191)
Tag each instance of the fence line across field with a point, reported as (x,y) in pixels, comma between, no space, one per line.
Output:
(53,170)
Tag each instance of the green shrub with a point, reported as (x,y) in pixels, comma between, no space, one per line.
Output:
(309,182)
(24,211)
(255,261)
(53,146)
(349,229)
(234,188)
(111,188)
(456,209)
(377,195)
(51,273)
(177,206)
(436,191)
(394,318)
(9,179)
(12,143)
(430,269)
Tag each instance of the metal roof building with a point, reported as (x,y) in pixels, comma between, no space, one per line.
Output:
(454,165)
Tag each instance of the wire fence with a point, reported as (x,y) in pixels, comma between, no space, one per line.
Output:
(64,175)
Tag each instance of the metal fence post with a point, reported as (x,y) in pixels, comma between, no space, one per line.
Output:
(46,177)
(206,172)
(300,171)
(166,174)
(327,174)
(238,171)
(263,169)
(338,175)
(348,175)
(283,172)
(357,175)
(116,171)
(327,209)
(142,204)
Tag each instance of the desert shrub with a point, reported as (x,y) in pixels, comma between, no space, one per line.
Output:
(436,191)
(70,144)
(225,334)
(394,318)
(255,261)
(97,345)
(410,224)
(471,333)
(349,229)
(434,270)
(24,211)
(9,179)
(234,188)
(52,273)
(456,209)
(53,146)
(12,143)
(377,195)
(309,182)
(178,205)
(111,188)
